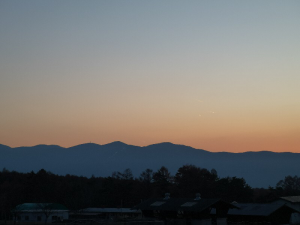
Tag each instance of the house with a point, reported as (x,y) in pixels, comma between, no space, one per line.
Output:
(40,212)
(186,210)
(293,202)
(255,212)
(107,213)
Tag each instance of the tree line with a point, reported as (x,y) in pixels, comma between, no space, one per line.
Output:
(122,189)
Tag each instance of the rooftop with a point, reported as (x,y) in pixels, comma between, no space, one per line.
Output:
(183,204)
(108,210)
(39,206)
(256,209)
(293,199)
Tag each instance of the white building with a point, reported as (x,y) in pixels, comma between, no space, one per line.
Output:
(109,213)
(40,212)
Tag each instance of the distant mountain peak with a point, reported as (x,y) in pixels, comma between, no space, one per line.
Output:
(4,147)
(90,143)
(117,143)
(166,143)
(44,145)
(86,159)
(86,145)
(163,144)
(171,145)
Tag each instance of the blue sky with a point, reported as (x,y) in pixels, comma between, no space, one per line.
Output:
(217,75)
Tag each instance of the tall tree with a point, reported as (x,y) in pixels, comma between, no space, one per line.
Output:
(234,189)
(191,180)
(162,180)
(290,185)
(146,176)
(126,175)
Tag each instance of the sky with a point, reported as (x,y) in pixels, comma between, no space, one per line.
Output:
(213,75)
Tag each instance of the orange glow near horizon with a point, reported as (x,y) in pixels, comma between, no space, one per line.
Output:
(206,75)
(199,138)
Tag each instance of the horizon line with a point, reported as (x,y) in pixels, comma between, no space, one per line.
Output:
(145,147)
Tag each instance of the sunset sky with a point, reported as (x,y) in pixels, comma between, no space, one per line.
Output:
(214,75)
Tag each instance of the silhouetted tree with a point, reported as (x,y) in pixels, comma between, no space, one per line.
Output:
(214,173)
(234,189)
(121,189)
(290,185)
(46,209)
(162,180)
(126,175)
(146,176)
(191,180)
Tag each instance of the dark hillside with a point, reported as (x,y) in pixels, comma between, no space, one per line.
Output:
(260,169)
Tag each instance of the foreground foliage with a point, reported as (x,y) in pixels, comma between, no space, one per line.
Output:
(123,190)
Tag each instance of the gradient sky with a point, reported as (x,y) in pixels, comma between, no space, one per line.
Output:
(215,75)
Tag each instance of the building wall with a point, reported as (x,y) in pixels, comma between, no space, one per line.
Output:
(40,216)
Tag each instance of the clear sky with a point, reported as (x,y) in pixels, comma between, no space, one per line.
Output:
(215,75)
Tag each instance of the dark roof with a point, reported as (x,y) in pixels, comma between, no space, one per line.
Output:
(293,199)
(255,209)
(183,204)
(39,206)
(108,210)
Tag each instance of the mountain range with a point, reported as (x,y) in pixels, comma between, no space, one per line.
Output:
(259,169)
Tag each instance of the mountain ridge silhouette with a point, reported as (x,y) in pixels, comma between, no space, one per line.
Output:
(260,169)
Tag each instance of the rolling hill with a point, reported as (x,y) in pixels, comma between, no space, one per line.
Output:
(260,169)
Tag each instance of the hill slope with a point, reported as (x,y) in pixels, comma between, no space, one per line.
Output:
(260,169)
